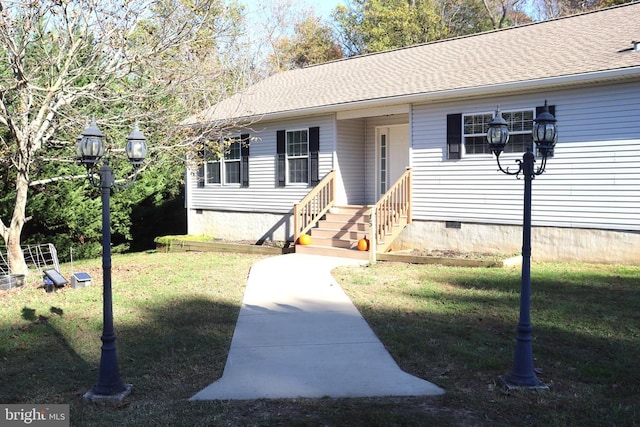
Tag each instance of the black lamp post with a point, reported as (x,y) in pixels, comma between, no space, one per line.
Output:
(89,150)
(545,135)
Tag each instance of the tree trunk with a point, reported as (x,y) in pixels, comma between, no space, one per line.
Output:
(12,234)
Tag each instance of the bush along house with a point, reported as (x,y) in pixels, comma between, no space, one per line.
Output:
(391,147)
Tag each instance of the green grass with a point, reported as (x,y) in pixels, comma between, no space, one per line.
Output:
(175,315)
(456,327)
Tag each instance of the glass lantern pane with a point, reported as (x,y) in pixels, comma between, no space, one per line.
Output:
(93,147)
(136,149)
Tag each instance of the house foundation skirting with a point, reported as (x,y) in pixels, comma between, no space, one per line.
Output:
(240,225)
(548,244)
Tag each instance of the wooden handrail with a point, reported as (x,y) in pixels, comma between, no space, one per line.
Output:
(393,205)
(314,205)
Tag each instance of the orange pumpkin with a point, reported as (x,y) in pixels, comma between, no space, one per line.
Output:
(363,244)
(304,239)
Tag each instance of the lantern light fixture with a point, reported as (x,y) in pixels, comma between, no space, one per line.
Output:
(90,145)
(90,148)
(545,136)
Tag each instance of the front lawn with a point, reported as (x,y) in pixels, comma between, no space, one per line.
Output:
(175,315)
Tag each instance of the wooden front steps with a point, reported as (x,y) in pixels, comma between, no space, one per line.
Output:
(337,234)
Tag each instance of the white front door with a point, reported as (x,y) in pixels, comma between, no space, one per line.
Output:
(392,155)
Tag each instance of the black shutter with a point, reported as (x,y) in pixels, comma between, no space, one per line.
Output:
(202,159)
(281,166)
(200,176)
(244,159)
(454,136)
(540,110)
(314,149)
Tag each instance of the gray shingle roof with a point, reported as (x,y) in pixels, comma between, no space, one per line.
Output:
(587,44)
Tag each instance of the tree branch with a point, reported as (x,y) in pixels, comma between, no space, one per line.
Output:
(55,179)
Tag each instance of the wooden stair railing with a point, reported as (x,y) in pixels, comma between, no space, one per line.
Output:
(392,210)
(314,205)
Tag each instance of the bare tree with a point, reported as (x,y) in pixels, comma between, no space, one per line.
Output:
(61,56)
(550,9)
(499,11)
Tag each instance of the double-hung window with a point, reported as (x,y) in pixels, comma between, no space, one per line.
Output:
(231,162)
(475,126)
(228,164)
(298,156)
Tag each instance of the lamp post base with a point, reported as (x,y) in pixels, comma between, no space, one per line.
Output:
(114,400)
(510,384)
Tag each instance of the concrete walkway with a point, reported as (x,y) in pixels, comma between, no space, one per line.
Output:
(299,335)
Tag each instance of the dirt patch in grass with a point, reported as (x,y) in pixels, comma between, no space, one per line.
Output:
(265,243)
(452,253)
(452,258)
(210,244)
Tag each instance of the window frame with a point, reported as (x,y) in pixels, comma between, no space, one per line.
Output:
(289,158)
(223,161)
(508,115)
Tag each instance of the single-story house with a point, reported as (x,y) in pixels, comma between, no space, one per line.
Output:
(391,146)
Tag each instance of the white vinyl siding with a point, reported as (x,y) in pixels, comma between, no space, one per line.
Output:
(593,181)
(351,165)
(263,195)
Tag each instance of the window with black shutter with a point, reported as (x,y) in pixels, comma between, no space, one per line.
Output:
(470,130)
(298,156)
